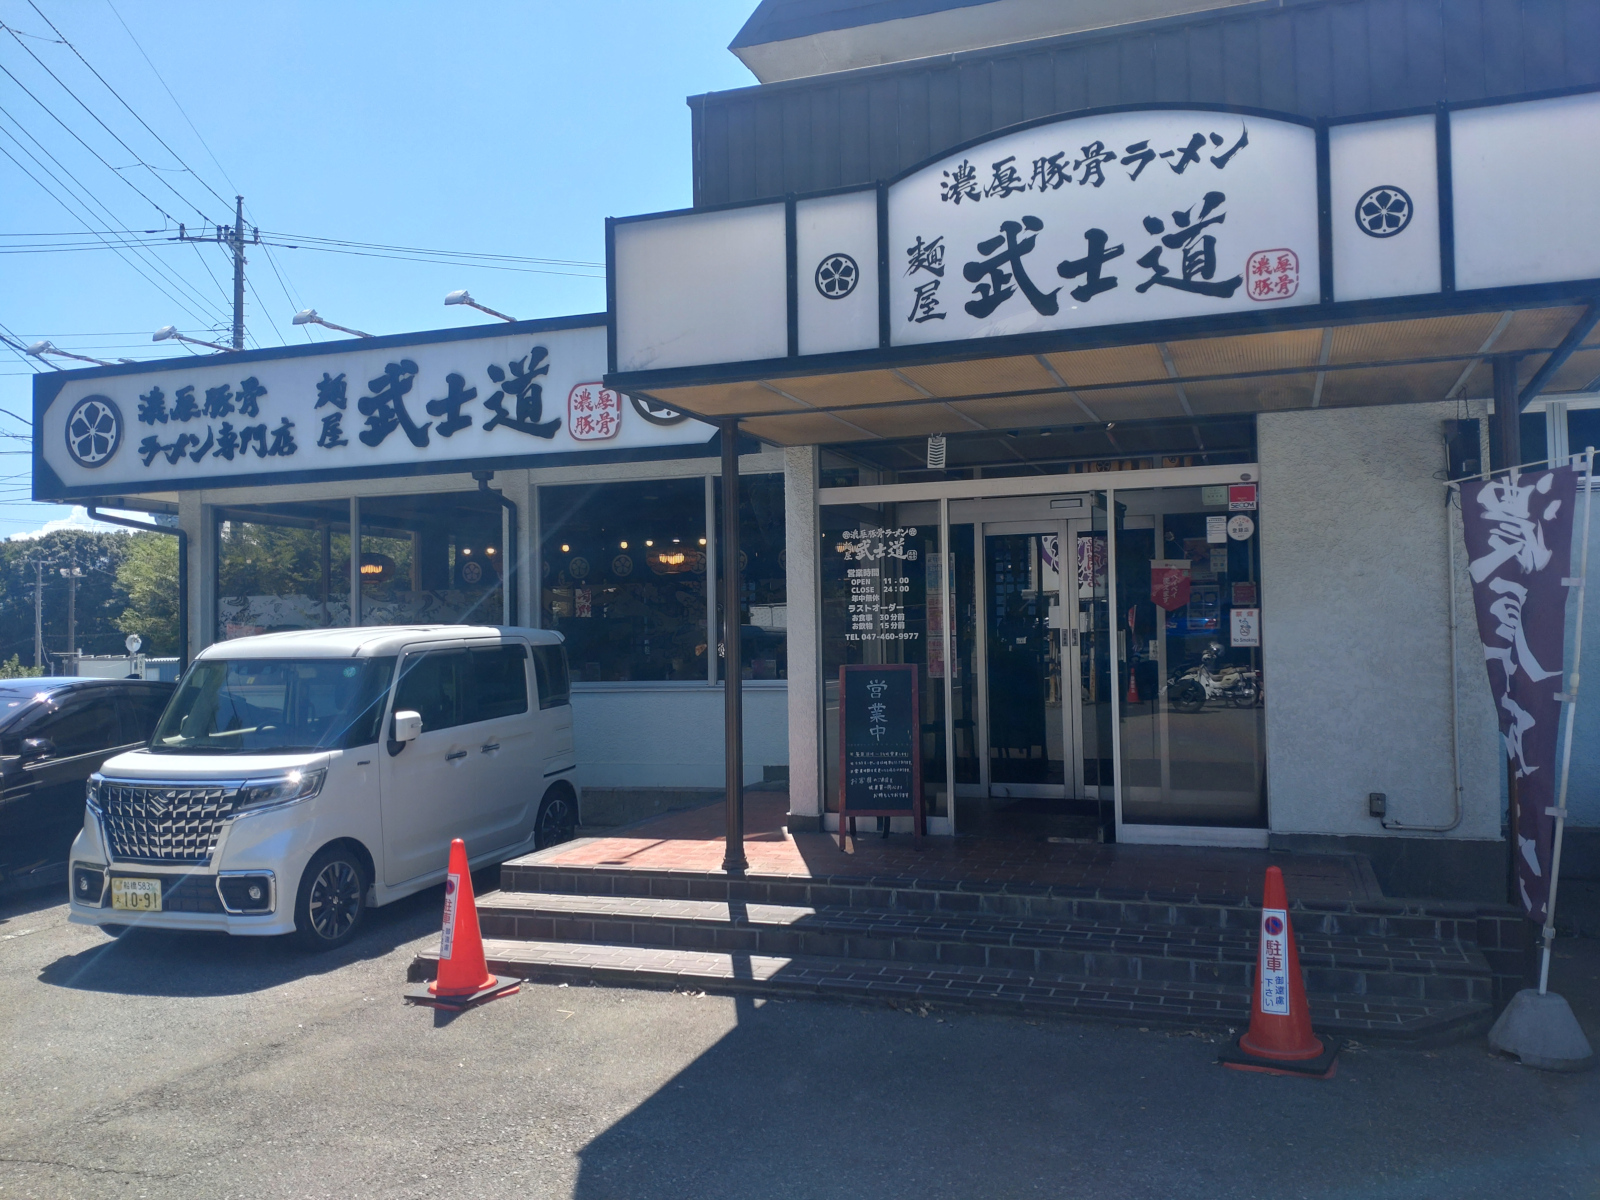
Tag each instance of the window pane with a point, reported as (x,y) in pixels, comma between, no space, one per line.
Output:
(433,558)
(83,728)
(141,710)
(429,685)
(554,689)
(271,705)
(1583,429)
(282,566)
(497,682)
(763,613)
(623,570)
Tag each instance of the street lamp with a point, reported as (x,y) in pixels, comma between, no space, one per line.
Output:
(309,317)
(167,332)
(40,349)
(462,297)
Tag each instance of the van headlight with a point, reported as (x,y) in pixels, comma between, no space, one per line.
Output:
(290,788)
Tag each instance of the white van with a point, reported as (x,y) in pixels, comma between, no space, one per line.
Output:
(297,778)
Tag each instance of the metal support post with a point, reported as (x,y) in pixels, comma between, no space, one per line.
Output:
(1571,691)
(733,859)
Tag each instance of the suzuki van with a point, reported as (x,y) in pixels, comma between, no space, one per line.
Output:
(297,779)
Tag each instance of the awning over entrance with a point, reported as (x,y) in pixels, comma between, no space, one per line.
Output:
(1374,362)
(1129,264)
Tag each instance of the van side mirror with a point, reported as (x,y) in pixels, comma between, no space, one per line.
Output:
(39,747)
(407,728)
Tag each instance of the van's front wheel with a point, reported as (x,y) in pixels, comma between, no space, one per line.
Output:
(331,901)
(558,818)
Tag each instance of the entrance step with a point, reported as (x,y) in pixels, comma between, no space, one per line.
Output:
(1371,1018)
(1414,968)
(1374,970)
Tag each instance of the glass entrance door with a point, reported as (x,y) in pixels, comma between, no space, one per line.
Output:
(1029,666)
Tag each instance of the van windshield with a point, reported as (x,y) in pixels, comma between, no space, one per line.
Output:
(275,705)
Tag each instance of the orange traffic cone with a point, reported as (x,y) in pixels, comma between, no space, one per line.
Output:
(464,978)
(1133,687)
(1279,1040)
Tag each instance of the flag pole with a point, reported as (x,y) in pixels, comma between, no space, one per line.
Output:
(1560,810)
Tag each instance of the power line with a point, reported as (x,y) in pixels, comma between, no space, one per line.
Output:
(49,112)
(116,249)
(138,158)
(154,263)
(436,261)
(551,262)
(129,107)
(182,111)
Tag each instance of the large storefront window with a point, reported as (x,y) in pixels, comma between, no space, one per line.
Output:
(282,567)
(1189,597)
(623,577)
(431,559)
(763,612)
(880,583)
(425,559)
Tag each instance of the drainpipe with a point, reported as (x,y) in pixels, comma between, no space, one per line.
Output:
(183,573)
(511,567)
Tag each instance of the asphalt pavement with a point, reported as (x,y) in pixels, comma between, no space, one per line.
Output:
(185,1065)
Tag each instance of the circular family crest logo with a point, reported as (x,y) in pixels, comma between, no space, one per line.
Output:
(94,431)
(578,568)
(1384,211)
(622,566)
(471,572)
(656,414)
(837,276)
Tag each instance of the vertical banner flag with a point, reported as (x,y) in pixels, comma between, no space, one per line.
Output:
(1518,530)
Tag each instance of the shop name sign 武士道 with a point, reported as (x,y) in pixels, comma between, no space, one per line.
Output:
(1122,217)
(1119,218)
(368,408)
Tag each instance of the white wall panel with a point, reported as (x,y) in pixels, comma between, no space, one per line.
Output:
(702,288)
(1526,179)
(836,314)
(1385,203)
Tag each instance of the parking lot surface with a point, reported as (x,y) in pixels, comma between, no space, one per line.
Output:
(160,1065)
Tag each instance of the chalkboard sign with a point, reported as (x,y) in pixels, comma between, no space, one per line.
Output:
(880,757)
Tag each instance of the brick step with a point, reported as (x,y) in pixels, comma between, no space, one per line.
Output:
(1444,921)
(1414,968)
(1370,1018)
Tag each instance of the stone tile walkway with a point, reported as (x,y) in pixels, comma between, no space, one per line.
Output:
(692,840)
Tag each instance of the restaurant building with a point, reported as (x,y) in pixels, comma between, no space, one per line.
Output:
(1112,373)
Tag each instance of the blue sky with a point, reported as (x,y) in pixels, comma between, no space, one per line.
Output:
(497,128)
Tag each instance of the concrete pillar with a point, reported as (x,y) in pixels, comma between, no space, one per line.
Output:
(194,518)
(804,600)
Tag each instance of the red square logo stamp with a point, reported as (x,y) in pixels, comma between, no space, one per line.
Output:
(1272,274)
(594,412)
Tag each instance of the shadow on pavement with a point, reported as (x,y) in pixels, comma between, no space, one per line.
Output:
(14,906)
(814,1100)
(154,962)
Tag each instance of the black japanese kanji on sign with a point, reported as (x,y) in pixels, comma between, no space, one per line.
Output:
(520,384)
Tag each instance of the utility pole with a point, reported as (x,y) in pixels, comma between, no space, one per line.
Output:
(73,574)
(231,236)
(38,612)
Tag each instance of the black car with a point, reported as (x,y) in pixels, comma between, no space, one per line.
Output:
(55,733)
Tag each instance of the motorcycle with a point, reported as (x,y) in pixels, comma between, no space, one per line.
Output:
(1211,679)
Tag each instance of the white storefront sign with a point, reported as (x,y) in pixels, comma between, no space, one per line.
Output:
(1116,219)
(1132,216)
(348,409)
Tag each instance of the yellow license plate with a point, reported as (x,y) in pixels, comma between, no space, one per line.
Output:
(136,895)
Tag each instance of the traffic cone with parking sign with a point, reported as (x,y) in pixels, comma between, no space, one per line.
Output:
(1279,1040)
(463,978)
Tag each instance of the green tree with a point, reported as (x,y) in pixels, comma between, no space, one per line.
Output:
(100,601)
(149,577)
(12,668)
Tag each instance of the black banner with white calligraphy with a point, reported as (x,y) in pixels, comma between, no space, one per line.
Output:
(1518,530)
